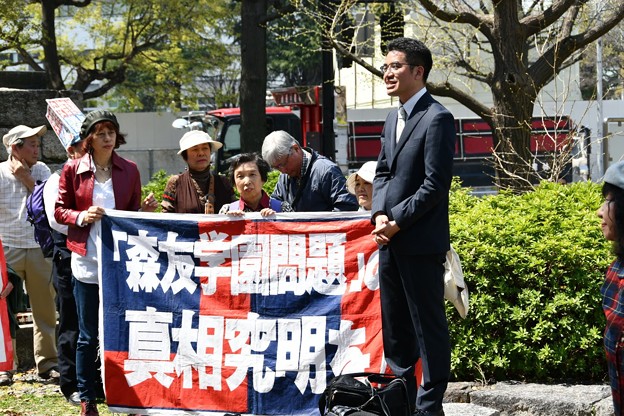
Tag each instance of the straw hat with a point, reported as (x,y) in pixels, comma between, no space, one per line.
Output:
(195,137)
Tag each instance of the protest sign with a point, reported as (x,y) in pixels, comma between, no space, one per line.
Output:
(253,316)
(65,119)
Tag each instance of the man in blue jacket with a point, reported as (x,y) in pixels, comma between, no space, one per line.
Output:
(308,181)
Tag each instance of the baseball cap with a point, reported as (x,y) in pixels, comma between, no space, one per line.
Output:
(22,132)
(77,139)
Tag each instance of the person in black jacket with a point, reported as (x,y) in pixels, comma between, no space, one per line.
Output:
(67,330)
(410,213)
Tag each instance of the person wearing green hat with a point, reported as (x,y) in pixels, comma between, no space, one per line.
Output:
(18,176)
(88,186)
(612,223)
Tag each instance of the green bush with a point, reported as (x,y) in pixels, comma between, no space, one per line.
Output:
(533,264)
(157,186)
(269,185)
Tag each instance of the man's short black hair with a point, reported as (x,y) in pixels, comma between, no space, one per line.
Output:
(416,53)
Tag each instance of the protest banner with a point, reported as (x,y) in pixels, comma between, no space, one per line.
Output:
(6,345)
(206,314)
(65,119)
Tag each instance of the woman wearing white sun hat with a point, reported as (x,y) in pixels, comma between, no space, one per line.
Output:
(360,184)
(197,190)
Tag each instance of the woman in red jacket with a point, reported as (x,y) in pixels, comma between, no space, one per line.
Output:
(88,186)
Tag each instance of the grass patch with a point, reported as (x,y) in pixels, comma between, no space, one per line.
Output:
(30,396)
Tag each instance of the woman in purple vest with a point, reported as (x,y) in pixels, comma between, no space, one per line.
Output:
(248,172)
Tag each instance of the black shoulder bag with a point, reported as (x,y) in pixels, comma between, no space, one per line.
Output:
(362,394)
(303,183)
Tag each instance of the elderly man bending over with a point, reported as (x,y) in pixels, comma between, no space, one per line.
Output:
(308,181)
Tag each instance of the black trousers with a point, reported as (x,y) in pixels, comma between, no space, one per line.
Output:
(68,318)
(414,323)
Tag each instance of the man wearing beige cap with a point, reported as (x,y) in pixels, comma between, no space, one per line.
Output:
(18,176)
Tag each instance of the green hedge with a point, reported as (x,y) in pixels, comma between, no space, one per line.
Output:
(534,264)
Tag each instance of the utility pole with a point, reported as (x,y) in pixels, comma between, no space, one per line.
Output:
(327,102)
(600,157)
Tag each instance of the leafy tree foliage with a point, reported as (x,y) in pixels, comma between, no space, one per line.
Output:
(294,47)
(95,47)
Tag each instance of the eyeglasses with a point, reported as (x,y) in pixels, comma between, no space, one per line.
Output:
(282,165)
(394,66)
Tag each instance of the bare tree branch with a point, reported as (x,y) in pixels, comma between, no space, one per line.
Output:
(553,59)
(463,16)
(28,59)
(534,23)
(446,89)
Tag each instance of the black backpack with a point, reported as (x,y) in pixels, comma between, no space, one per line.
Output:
(35,209)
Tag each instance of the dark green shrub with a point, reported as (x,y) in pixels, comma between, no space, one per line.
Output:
(269,185)
(157,186)
(534,264)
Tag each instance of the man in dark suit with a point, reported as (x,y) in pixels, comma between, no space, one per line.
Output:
(410,213)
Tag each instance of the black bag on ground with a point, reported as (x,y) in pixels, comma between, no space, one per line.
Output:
(365,394)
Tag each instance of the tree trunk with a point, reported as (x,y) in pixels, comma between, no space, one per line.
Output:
(253,75)
(48,32)
(512,139)
(514,95)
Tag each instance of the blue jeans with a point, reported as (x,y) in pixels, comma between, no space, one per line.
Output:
(87,303)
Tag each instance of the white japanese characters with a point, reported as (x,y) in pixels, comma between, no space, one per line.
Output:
(200,346)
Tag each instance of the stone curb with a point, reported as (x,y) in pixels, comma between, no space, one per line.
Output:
(527,399)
